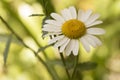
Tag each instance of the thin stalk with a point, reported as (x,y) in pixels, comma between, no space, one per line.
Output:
(75,66)
(43,48)
(63,60)
(35,53)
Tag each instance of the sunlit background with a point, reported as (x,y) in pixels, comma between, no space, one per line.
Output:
(22,63)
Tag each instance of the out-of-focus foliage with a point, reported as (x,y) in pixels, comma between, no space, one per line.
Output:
(23,65)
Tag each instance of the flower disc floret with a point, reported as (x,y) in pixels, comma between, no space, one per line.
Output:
(73,29)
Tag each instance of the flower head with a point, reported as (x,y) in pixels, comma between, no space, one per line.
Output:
(71,28)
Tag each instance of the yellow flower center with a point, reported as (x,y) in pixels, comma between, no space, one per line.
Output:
(73,29)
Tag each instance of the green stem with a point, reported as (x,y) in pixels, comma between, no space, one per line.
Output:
(35,53)
(63,60)
(75,66)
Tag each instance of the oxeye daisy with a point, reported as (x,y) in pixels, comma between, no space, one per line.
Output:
(71,28)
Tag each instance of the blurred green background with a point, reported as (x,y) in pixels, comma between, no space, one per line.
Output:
(22,63)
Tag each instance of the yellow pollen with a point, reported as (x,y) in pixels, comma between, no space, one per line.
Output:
(73,29)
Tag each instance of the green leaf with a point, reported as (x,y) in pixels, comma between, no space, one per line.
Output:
(4,38)
(47,6)
(69,62)
(6,51)
(86,66)
(69,65)
(55,62)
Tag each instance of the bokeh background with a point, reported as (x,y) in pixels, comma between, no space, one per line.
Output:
(23,65)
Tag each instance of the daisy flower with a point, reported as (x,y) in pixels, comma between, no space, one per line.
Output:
(71,28)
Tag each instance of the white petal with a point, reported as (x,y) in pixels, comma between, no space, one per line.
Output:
(96,40)
(62,48)
(55,33)
(96,31)
(51,29)
(69,47)
(55,39)
(73,12)
(51,26)
(81,15)
(52,33)
(92,18)
(57,17)
(76,48)
(85,44)
(90,41)
(52,36)
(61,42)
(53,22)
(66,14)
(87,15)
(94,23)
